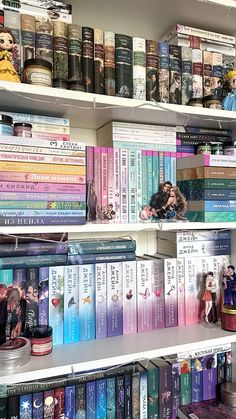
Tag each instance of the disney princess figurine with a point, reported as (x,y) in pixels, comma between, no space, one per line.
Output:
(7,70)
(229,102)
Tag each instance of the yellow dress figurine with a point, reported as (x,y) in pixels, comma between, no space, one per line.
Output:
(7,70)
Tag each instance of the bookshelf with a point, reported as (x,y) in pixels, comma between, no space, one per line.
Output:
(88,112)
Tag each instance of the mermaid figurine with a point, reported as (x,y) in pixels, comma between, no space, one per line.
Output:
(229,102)
(7,70)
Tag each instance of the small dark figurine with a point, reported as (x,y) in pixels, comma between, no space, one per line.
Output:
(229,285)
(7,70)
(169,203)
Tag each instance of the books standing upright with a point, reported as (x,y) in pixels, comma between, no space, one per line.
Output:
(124,64)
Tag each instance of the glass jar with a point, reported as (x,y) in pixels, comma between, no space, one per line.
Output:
(212,101)
(204,148)
(6,125)
(41,340)
(22,129)
(37,71)
(228,318)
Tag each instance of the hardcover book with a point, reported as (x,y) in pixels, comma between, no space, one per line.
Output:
(88,58)
(101,300)
(175,74)
(109,63)
(129,297)
(56,302)
(124,65)
(151,70)
(139,68)
(98,61)
(86,292)
(186,74)
(114,299)
(71,304)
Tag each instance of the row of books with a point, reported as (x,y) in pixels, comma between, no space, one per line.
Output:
(148,389)
(211,203)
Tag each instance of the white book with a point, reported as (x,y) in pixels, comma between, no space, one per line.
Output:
(139,68)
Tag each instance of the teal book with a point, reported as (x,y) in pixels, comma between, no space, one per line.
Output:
(101,399)
(152,388)
(186,186)
(155,171)
(211,216)
(111,398)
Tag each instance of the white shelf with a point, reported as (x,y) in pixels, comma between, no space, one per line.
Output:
(89,355)
(88,110)
(114,228)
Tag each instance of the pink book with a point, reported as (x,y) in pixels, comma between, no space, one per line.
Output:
(97,180)
(191,290)
(180,291)
(117,181)
(144,295)
(104,179)
(129,297)
(90,163)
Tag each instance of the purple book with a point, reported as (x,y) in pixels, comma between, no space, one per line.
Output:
(205,410)
(43,296)
(209,376)
(114,299)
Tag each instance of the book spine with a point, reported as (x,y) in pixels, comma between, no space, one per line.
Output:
(175,74)
(41,205)
(155,171)
(117,184)
(75,53)
(46,199)
(40,213)
(104,181)
(186,74)
(13,405)
(91,400)
(101,398)
(173,158)
(138,182)
(217,72)
(167,166)
(40,150)
(170,292)
(114,299)
(12,22)
(188,30)
(100,300)
(59,395)
(149,173)
(165,385)
(35,158)
(110,178)
(111,398)
(80,247)
(207,73)
(34,261)
(27,23)
(66,145)
(86,302)
(152,391)
(144,298)
(139,68)
(180,272)
(40,119)
(97,182)
(124,185)
(158,298)
(42,177)
(128,396)
(124,64)
(70,397)
(161,167)
(136,394)
(185,382)
(41,168)
(42,221)
(196,375)
(44,38)
(144,177)
(109,63)
(129,297)
(71,304)
(204,248)
(209,376)
(197,73)
(56,302)
(120,397)
(49,404)
(151,70)
(176,387)
(88,58)
(90,164)
(32,283)
(191,303)
(80,401)
(43,299)
(18,281)
(97,258)
(98,61)
(132,187)
(25,400)
(60,50)
(163,72)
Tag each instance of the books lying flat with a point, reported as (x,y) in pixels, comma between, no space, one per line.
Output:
(206,160)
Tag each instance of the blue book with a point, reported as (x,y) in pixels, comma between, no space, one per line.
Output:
(101,399)
(80,401)
(71,304)
(32,282)
(70,402)
(56,302)
(173,167)
(38,402)
(111,398)
(26,411)
(86,302)
(120,396)
(91,400)
(43,303)
(167,166)
(100,258)
(197,380)
(149,173)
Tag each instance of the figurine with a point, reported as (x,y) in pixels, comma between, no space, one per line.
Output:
(229,285)
(229,102)
(168,203)
(207,295)
(7,70)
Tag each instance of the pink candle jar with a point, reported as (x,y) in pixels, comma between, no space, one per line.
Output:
(22,129)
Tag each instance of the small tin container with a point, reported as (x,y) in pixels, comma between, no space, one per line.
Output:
(76,85)
(197,101)
(204,148)
(37,71)
(41,340)
(14,354)
(228,394)
(60,83)
(22,129)
(217,149)
(228,318)
(212,101)
(6,125)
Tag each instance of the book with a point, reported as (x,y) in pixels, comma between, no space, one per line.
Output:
(151,70)
(43,296)
(211,216)
(80,400)
(88,58)
(71,304)
(217,73)
(175,74)
(59,396)
(216,206)
(144,296)
(32,284)
(120,396)
(129,297)
(109,63)
(101,398)
(27,24)
(3,407)
(86,292)
(197,385)
(99,257)
(32,261)
(128,396)
(209,376)
(98,61)
(91,400)
(139,68)
(205,409)
(207,73)
(124,196)
(25,406)
(152,388)
(111,398)
(100,300)
(180,276)
(185,382)
(114,299)
(33,248)
(220,184)
(194,248)
(75,53)
(197,73)
(60,50)
(165,387)
(38,405)
(56,302)
(163,72)
(70,402)
(186,74)
(206,172)
(206,160)
(209,194)
(44,38)
(124,65)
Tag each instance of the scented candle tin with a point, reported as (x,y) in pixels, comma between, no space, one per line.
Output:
(228,318)
(14,354)
(37,71)
(6,125)
(204,148)
(212,101)
(22,129)
(228,394)
(41,340)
